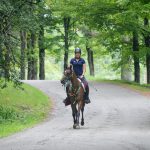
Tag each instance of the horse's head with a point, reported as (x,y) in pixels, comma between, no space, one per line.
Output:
(67,75)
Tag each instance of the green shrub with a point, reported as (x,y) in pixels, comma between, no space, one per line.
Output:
(8,114)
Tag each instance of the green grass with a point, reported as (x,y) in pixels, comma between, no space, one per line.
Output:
(20,109)
(132,85)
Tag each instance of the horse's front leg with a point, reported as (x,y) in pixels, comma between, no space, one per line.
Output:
(78,114)
(74,114)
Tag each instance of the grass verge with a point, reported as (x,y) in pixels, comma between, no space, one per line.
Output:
(20,109)
(144,89)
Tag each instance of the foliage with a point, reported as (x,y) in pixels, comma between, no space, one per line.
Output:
(20,109)
(104,25)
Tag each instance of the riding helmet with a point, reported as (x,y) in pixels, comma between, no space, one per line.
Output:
(77,50)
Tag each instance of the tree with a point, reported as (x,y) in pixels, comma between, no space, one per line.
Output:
(147,43)
(23,55)
(41,54)
(15,20)
(65,12)
(136,57)
(88,34)
(66,40)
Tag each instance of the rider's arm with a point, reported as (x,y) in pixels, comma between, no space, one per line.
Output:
(84,69)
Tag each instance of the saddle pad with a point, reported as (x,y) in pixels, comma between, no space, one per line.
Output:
(84,86)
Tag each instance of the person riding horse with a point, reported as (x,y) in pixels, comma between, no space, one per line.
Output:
(79,67)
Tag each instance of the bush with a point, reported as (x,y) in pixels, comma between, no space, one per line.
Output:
(8,114)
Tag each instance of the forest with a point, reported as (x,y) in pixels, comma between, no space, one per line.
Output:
(38,38)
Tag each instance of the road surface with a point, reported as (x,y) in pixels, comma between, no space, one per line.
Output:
(117,119)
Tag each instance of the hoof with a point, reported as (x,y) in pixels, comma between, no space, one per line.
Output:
(74,126)
(77,127)
(82,123)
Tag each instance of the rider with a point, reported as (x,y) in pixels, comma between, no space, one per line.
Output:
(79,68)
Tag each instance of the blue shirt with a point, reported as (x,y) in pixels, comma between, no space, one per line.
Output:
(77,65)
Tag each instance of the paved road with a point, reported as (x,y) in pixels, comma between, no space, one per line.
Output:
(117,119)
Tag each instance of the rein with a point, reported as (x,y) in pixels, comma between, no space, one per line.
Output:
(73,92)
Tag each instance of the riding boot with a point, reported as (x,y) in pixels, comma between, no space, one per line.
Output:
(67,101)
(87,100)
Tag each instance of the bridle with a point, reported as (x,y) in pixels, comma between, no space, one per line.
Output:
(67,78)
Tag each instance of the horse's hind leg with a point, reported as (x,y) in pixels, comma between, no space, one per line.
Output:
(82,119)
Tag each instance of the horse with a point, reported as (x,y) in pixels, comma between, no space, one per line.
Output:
(76,95)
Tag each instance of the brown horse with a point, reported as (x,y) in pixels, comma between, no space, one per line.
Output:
(76,95)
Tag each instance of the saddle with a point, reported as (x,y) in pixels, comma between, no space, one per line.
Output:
(83,83)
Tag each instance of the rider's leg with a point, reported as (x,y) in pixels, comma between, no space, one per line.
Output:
(66,101)
(87,100)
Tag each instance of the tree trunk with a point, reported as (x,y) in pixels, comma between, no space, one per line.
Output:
(1,54)
(1,61)
(66,40)
(147,43)
(136,57)
(7,51)
(90,60)
(41,54)
(23,47)
(7,60)
(34,59)
(29,56)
